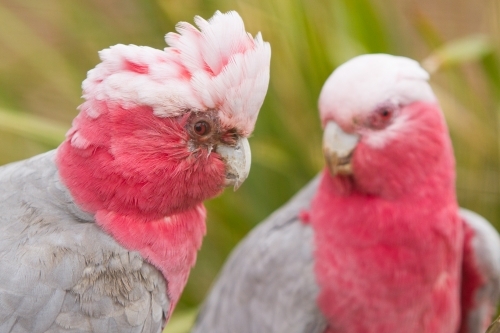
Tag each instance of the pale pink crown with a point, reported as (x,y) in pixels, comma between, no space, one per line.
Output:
(220,66)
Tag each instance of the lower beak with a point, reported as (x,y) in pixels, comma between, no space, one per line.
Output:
(338,147)
(238,158)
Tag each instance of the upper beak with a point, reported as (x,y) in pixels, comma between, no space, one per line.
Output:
(338,147)
(238,159)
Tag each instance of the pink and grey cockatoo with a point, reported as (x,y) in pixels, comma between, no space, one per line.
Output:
(375,243)
(100,234)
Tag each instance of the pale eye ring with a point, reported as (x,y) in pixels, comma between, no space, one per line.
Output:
(202,128)
(381,117)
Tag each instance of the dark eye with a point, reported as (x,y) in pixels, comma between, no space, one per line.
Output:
(385,113)
(380,118)
(201,128)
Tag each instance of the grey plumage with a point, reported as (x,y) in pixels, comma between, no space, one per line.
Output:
(59,272)
(268,285)
(486,244)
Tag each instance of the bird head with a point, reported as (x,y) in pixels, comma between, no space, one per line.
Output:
(163,130)
(384,132)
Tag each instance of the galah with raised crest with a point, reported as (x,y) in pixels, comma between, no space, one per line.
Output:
(100,234)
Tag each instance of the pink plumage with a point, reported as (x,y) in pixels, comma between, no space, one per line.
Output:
(388,237)
(133,156)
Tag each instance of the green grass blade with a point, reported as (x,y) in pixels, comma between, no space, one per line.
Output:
(36,128)
(459,51)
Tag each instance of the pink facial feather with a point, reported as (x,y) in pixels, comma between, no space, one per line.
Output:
(128,157)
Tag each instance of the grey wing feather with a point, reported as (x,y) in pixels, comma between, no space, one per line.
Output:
(268,284)
(486,252)
(59,272)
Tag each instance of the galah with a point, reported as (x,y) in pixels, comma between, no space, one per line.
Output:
(100,234)
(376,242)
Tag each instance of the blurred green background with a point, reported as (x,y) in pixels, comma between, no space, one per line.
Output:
(48,46)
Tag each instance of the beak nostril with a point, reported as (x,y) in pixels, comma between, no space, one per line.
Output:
(344,160)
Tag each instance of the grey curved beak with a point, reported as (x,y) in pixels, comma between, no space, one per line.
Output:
(338,147)
(238,159)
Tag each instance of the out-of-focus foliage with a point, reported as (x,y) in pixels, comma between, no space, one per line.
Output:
(48,46)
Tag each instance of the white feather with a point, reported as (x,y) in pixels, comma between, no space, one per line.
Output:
(365,82)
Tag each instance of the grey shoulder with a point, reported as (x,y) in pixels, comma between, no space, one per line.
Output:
(481,256)
(486,243)
(59,272)
(268,282)
(35,181)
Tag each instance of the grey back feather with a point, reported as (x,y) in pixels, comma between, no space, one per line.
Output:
(486,250)
(59,272)
(268,283)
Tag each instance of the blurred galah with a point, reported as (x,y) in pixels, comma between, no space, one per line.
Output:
(100,234)
(376,243)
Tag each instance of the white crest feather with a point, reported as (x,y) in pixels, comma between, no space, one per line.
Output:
(219,67)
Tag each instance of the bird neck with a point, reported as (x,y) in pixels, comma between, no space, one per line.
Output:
(170,243)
